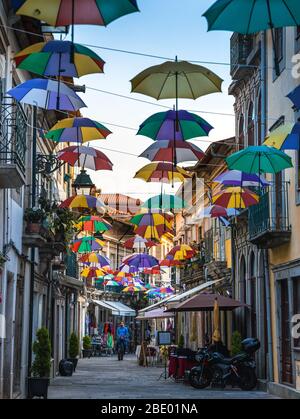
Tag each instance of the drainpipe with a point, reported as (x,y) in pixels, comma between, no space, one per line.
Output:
(263,76)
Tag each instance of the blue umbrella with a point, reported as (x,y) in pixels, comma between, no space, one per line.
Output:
(294,96)
(47,94)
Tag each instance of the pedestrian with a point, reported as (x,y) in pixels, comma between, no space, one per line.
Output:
(122,337)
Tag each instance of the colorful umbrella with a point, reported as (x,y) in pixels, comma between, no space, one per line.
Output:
(162,172)
(216,211)
(156,270)
(92,272)
(54,58)
(150,219)
(235,197)
(100,260)
(139,243)
(294,96)
(131,289)
(111,283)
(259,159)
(87,245)
(93,223)
(78,12)
(153,232)
(86,157)
(140,261)
(252,16)
(164,151)
(286,137)
(164,202)
(181,125)
(176,79)
(83,201)
(168,263)
(77,130)
(238,178)
(47,94)
(181,252)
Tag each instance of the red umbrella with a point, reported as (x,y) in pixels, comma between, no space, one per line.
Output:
(156,270)
(87,157)
(139,242)
(164,151)
(168,263)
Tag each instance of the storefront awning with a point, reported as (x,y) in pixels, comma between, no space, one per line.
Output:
(206,301)
(117,308)
(158,313)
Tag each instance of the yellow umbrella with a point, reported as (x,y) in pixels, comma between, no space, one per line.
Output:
(278,137)
(235,197)
(162,172)
(216,334)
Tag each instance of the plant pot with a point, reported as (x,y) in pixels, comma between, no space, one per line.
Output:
(74,362)
(38,387)
(33,228)
(87,353)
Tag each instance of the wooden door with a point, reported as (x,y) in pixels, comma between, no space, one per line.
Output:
(286,352)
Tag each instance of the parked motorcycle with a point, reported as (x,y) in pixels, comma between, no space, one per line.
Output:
(216,370)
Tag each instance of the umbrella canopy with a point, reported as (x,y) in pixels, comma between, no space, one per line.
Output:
(251,16)
(165,151)
(162,172)
(238,178)
(286,137)
(294,96)
(112,283)
(132,289)
(169,263)
(100,260)
(181,125)
(235,197)
(176,79)
(77,130)
(87,245)
(150,219)
(206,302)
(83,201)
(213,211)
(153,232)
(181,252)
(86,157)
(64,13)
(138,242)
(54,58)
(141,261)
(93,223)
(259,159)
(156,270)
(164,202)
(47,94)
(92,272)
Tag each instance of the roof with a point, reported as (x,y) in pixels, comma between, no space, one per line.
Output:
(117,308)
(206,302)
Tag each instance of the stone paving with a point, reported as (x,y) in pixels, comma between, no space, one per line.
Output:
(107,378)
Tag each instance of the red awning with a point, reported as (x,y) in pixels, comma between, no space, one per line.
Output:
(206,301)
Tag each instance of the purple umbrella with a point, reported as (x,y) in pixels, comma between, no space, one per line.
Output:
(141,261)
(238,178)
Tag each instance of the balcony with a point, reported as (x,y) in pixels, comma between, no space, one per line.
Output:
(268,221)
(244,49)
(71,265)
(13,130)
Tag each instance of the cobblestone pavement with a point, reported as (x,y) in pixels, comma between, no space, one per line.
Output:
(107,378)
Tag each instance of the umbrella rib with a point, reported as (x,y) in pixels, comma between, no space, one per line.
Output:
(267,156)
(185,75)
(163,85)
(290,12)
(251,14)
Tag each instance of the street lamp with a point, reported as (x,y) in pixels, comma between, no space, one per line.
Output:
(84,183)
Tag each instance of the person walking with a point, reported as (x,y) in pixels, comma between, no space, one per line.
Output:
(122,337)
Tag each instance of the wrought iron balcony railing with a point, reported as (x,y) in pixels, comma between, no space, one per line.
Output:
(240,49)
(13,136)
(268,221)
(71,265)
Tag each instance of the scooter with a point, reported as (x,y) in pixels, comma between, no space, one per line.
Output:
(218,371)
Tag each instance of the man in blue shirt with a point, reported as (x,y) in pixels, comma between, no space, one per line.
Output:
(122,337)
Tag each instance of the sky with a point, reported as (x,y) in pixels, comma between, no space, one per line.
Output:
(164,28)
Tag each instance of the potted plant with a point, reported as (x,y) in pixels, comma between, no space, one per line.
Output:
(39,381)
(236,343)
(73,350)
(34,219)
(87,347)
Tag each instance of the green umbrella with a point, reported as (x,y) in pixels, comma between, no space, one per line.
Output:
(252,16)
(164,202)
(259,159)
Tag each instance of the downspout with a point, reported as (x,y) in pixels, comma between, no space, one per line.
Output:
(263,75)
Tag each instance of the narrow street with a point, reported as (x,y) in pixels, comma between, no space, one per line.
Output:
(106,378)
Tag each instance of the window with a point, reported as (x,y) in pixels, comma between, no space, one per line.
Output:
(250,128)
(259,122)
(279,43)
(297,305)
(297,39)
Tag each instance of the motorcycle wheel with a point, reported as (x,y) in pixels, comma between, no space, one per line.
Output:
(248,379)
(200,379)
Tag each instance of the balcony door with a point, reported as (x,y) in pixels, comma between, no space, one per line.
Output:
(286,352)
(279,207)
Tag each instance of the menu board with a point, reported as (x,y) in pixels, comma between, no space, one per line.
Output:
(164,338)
